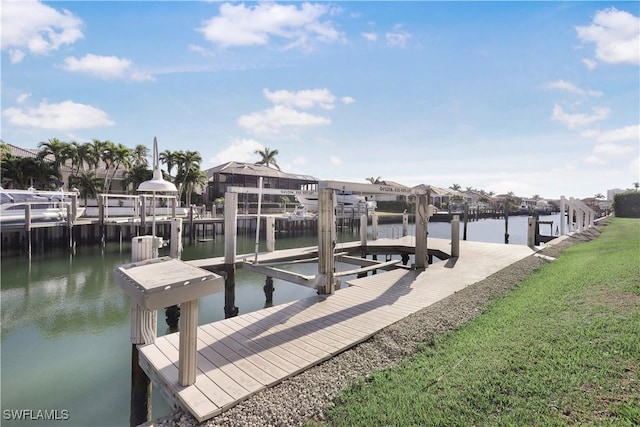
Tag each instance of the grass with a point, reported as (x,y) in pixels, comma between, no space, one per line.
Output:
(562,348)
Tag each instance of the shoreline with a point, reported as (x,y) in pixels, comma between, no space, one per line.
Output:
(308,395)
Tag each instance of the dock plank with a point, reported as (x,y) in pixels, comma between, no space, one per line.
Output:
(240,356)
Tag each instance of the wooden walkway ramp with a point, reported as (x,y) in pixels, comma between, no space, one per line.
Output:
(240,356)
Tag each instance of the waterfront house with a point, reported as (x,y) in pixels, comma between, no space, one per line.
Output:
(239,174)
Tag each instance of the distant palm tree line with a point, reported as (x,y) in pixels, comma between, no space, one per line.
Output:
(84,160)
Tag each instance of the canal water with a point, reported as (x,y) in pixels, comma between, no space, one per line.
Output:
(65,344)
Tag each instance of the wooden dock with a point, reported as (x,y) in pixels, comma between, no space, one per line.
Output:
(240,356)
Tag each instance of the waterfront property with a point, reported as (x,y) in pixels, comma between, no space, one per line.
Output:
(242,355)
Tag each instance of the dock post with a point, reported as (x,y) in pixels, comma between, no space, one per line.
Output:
(531,232)
(74,206)
(175,244)
(563,203)
(374,227)
(188,351)
(70,224)
(422,219)
(363,233)
(101,213)
(455,236)
(27,227)
(143,331)
(143,214)
(405,224)
(268,292)
(230,235)
(506,222)
(191,229)
(270,230)
(172,313)
(465,220)
(326,240)
(570,215)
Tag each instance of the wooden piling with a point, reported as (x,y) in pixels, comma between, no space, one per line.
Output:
(422,218)
(506,223)
(531,231)
(230,236)
(268,292)
(465,220)
(270,230)
(27,226)
(455,236)
(326,240)
(188,340)
(143,331)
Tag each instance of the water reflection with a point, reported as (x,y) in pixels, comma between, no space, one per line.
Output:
(65,323)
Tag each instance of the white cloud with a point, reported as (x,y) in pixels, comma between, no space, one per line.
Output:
(201,50)
(273,121)
(397,39)
(335,160)
(594,160)
(22,98)
(302,99)
(105,67)
(348,100)
(66,115)
(627,133)
(30,26)
(239,25)
(590,63)
(579,120)
(572,88)
(603,152)
(241,150)
(284,117)
(370,36)
(613,149)
(616,35)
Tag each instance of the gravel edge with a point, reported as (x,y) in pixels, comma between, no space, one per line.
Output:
(308,395)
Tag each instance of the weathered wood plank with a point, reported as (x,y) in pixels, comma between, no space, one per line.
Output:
(240,356)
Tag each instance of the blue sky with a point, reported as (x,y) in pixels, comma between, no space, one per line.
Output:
(530,97)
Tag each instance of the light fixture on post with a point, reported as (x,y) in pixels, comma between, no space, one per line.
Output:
(156,185)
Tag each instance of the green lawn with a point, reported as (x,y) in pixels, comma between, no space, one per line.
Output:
(561,348)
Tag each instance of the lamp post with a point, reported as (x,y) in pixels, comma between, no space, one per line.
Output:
(156,185)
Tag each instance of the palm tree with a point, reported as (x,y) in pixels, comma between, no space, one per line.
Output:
(136,175)
(140,154)
(87,183)
(636,185)
(373,180)
(23,171)
(96,152)
(168,158)
(114,155)
(195,177)
(268,157)
(188,163)
(455,187)
(55,148)
(536,197)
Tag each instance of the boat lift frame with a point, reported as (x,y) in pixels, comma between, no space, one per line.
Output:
(326,276)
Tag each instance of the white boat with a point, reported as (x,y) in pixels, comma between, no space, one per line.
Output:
(45,205)
(347,203)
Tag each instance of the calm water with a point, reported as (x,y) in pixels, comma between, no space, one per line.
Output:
(65,323)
